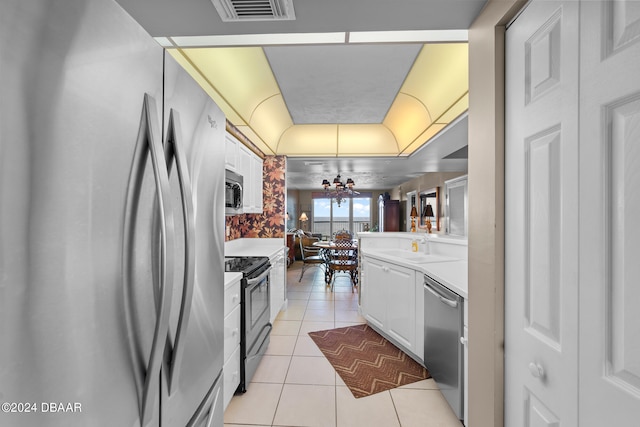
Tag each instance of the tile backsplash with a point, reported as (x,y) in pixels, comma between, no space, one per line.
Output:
(271,222)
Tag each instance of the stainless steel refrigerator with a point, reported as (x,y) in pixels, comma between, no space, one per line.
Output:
(111,224)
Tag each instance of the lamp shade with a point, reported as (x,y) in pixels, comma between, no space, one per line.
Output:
(414,212)
(304,217)
(428,211)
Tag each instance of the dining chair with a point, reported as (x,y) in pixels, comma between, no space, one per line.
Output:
(342,235)
(344,258)
(310,255)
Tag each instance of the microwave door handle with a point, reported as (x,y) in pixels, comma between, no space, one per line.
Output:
(147,144)
(238,203)
(174,150)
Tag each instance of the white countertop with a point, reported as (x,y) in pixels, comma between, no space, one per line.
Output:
(231,277)
(444,238)
(254,247)
(449,271)
(453,275)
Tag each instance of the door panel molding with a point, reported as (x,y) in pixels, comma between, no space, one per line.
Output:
(622,269)
(543,247)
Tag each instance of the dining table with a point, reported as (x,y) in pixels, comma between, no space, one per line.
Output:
(325,252)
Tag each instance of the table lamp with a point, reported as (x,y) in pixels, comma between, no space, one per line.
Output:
(413,215)
(428,213)
(303,218)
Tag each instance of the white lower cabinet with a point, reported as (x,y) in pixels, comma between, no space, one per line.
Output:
(231,371)
(389,302)
(231,367)
(277,283)
(374,305)
(401,305)
(231,332)
(419,320)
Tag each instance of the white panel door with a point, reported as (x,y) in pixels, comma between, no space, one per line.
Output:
(609,212)
(541,196)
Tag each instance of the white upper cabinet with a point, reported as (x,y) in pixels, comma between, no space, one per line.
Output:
(232,146)
(246,163)
(257,181)
(244,169)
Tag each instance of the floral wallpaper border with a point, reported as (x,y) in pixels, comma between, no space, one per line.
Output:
(271,222)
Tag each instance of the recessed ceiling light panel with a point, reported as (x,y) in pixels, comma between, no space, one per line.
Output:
(254,10)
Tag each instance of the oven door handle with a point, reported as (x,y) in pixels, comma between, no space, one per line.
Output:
(258,279)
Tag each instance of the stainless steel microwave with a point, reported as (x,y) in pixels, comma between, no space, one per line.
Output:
(233,193)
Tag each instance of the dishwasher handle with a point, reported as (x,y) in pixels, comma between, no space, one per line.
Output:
(450,302)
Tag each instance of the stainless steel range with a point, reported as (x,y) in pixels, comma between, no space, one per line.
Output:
(255,309)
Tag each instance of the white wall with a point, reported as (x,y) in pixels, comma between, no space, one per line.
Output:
(486,213)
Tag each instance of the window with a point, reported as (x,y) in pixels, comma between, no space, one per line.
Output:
(354,214)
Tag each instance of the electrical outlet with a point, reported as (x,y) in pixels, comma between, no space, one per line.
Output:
(228,230)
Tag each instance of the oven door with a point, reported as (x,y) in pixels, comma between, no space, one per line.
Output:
(257,308)
(257,327)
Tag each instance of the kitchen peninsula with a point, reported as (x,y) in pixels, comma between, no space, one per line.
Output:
(394,296)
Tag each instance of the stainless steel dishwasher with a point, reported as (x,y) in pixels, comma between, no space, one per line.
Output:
(443,352)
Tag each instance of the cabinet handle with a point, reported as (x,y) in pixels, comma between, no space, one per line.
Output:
(385,269)
(234,333)
(536,370)
(463,341)
(235,298)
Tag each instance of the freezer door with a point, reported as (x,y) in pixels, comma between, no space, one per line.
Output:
(194,142)
(74,78)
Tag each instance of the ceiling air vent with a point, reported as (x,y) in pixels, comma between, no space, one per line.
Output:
(254,10)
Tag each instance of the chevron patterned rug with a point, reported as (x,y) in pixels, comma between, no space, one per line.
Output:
(366,361)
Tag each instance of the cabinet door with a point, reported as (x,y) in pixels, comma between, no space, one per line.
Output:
(231,152)
(257,184)
(418,296)
(244,169)
(374,294)
(231,332)
(231,373)
(277,279)
(401,305)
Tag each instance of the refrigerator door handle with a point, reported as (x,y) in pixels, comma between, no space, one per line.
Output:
(173,149)
(148,144)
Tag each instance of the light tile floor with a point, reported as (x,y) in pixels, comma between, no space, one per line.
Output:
(296,386)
